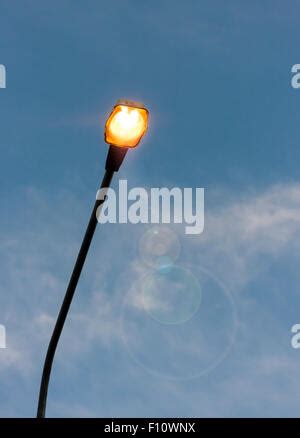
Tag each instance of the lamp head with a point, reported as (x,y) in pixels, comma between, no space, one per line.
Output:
(126,124)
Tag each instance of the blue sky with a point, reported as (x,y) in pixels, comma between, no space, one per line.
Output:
(216,78)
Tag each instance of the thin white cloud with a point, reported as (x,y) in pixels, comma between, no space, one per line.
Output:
(244,236)
(240,238)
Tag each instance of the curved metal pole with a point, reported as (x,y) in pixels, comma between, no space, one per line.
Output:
(69,296)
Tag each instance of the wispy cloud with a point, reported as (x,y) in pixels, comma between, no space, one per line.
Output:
(241,239)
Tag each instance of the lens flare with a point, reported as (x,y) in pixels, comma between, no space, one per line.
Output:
(126,125)
(191,348)
(158,247)
(171,296)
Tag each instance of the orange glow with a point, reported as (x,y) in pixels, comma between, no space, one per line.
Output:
(126,125)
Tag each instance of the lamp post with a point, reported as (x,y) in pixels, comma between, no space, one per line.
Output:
(124,129)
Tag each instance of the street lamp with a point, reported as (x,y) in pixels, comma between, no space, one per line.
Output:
(126,124)
(124,129)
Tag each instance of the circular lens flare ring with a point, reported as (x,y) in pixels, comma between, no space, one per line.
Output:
(126,125)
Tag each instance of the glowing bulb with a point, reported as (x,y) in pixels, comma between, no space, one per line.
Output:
(126,125)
